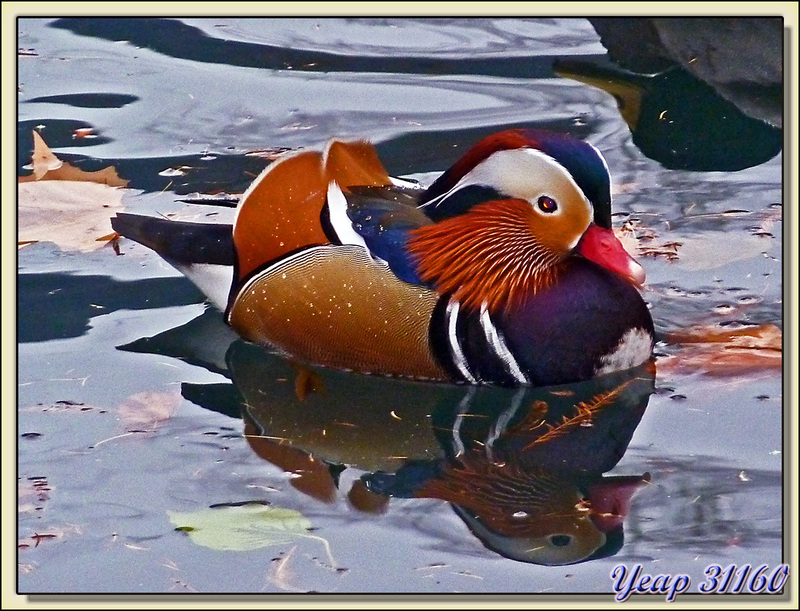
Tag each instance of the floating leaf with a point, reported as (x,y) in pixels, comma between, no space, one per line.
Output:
(46,166)
(43,159)
(62,204)
(766,336)
(725,352)
(242,527)
(146,411)
(71,214)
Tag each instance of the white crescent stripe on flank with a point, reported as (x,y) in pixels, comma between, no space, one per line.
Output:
(499,347)
(341,223)
(459,359)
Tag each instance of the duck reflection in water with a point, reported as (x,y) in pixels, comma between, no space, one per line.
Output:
(523,468)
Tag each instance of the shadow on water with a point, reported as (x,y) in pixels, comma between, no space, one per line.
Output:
(61,305)
(179,40)
(675,117)
(523,468)
(213,173)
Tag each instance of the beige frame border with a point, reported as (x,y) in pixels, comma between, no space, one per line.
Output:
(11,10)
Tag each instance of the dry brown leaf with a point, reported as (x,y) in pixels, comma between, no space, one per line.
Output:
(46,166)
(767,336)
(62,204)
(74,215)
(722,352)
(43,159)
(146,411)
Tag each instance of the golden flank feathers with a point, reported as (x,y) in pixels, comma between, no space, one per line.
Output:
(332,306)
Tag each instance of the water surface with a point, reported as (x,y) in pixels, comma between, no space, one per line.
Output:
(130,390)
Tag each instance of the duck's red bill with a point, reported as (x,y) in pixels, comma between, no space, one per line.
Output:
(610,499)
(601,246)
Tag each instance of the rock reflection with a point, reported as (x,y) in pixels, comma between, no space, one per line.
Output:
(679,120)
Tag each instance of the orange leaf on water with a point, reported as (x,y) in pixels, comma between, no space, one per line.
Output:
(723,352)
(46,166)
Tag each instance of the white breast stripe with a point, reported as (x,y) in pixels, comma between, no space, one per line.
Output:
(459,359)
(499,347)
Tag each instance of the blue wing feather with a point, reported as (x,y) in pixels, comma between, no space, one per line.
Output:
(385,223)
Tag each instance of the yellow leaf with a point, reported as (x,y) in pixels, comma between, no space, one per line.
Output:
(243,527)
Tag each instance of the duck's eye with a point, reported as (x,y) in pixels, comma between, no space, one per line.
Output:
(547,204)
(560,540)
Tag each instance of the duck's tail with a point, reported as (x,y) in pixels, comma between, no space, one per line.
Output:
(203,252)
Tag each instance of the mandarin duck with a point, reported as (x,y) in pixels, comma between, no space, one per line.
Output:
(505,270)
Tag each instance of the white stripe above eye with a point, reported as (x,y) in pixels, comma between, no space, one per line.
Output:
(459,360)
(498,345)
(516,173)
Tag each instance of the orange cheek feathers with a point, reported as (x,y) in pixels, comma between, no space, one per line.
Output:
(487,256)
